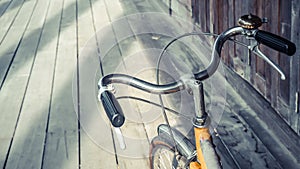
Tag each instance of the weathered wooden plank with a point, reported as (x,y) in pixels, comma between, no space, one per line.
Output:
(223,25)
(285,31)
(232,21)
(240,52)
(260,64)
(295,68)
(96,143)
(271,74)
(28,142)
(213,16)
(84,17)
(182,15)
(283,102)
(181,8)
(204,15)
(62,145)
(13,37)
(259,75)
(114,10)
(98,6)
(135,137)
(4,5)
(7,19)
(107,35)
(242,61)
(16,81)
(207,17)
(196,11)
(95,156)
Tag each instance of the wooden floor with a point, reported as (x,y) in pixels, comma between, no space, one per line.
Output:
(48,76)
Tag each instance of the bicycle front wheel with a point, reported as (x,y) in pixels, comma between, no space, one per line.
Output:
(163,155)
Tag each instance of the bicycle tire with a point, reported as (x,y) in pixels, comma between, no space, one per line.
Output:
(162,155)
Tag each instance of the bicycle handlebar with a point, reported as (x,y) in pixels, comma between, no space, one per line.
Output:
(112,107)
(141,84)
(275,42)
(216,52)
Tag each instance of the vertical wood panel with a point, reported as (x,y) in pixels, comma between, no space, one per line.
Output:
(203,21)
(272,75)
(260,64)
(231,23)
(285,29)
(283,104)
(207,15)
(213,10)
(248,59)
(195,11)
(242,59)
(223,25)
(295,68)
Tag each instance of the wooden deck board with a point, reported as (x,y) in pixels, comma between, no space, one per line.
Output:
(28,142)
(121,31)
(16,81)
(61,146)
(13,36)
(92,155)
(4,4)
(7,18)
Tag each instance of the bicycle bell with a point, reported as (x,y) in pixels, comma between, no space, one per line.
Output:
(250,21)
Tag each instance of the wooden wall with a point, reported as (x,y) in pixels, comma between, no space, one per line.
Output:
(283,19)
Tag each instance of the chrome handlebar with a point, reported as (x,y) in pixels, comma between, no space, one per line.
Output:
(179,85)
(113,109)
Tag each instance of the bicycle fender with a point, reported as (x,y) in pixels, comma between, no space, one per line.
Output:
(184,146)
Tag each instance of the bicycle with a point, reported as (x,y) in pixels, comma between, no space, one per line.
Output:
(183,154)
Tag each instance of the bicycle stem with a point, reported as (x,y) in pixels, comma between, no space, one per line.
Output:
(201,118)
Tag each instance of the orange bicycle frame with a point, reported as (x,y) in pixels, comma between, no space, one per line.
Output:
(206,155)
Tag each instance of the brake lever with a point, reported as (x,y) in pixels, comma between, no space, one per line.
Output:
(120,138)
(255,49)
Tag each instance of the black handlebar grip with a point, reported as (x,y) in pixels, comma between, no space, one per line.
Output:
(275,42)
(112,108)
